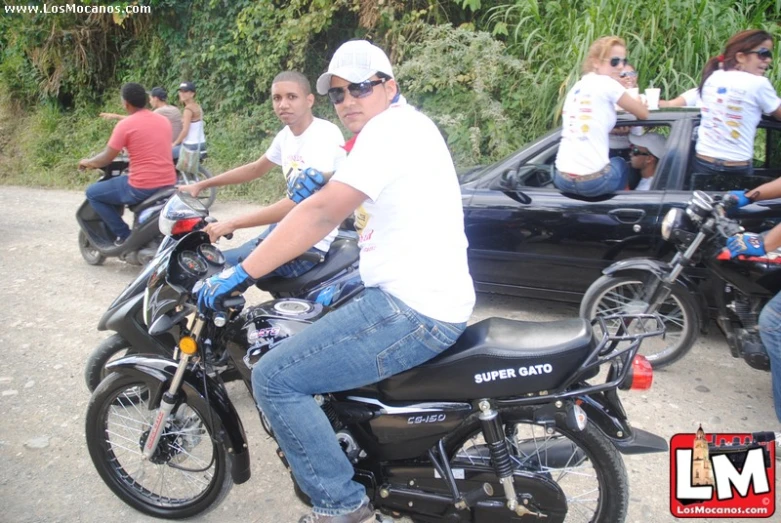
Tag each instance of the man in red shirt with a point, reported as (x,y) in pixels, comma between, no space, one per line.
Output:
(147,138)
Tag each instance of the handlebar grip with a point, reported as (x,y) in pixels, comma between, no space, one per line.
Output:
(228,236)
(233,302)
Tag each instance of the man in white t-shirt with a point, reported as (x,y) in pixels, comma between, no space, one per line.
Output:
(305,142)
(400,182)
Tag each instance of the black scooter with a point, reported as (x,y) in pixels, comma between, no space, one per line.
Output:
(96,241)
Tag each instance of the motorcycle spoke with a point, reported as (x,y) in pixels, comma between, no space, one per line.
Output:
(184,441)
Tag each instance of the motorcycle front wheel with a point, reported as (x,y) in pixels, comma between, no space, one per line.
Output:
(206,196)
(585,465)
(627,294)
(88,251)
(188,475)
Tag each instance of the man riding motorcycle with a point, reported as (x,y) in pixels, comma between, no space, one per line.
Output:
(419,293)
(754,245)
(304,145)
(146,136)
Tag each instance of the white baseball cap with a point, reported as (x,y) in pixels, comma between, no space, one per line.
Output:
(654,142)
(355,61)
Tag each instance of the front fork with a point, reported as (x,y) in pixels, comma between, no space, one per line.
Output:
(663,287)
(496,440)
(168,400)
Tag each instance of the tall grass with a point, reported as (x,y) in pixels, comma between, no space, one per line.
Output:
(668,42)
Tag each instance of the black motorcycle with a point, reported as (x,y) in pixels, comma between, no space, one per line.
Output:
(739,287)
(331,282)
(501,427)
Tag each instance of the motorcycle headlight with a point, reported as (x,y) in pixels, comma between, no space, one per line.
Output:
(672,220)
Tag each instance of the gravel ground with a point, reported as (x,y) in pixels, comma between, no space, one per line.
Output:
(53,301)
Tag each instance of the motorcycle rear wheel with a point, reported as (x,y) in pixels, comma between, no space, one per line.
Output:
(589,465)
(88,251)
(188,475)
(206,196)
(627,294)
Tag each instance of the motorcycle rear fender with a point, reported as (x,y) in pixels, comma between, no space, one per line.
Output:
(607,413)
(659,269)
(229,430)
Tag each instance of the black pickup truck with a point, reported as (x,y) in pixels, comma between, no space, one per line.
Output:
(526,238)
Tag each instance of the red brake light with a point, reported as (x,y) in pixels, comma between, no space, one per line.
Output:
(641,373)
(184,226)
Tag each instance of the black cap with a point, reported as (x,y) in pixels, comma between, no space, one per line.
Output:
(186,86)
(159,93)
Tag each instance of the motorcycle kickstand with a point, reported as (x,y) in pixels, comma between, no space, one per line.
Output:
(494,434)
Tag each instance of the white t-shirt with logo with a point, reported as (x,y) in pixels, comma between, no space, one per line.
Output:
(587,117)
(732,104)
(319,147)
(411,226)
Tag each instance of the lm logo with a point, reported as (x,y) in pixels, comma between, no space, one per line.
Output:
(722,475)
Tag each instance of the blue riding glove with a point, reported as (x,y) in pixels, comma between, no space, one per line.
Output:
(740,198)
(746,244)
(211,292)
(308,182)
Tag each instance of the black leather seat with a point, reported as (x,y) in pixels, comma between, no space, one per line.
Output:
(497,357)
(342,254)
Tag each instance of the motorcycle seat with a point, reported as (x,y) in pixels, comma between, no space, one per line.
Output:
(342,254)
(497,357)
(156,197)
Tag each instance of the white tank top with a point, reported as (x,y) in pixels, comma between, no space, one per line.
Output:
(195,133)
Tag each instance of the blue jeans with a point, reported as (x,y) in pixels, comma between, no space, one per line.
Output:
(615,179)
(106,195)
(770,332)
(365,341)
(291,269)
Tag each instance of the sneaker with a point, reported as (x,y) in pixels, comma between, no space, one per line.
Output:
(363,514)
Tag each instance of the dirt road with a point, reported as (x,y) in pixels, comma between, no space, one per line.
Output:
(52,301)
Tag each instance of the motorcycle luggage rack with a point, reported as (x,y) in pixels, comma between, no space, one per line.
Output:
(616,348)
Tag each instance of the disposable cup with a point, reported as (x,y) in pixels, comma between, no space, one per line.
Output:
(652,97)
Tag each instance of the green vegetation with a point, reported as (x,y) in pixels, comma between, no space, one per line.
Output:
(492,74)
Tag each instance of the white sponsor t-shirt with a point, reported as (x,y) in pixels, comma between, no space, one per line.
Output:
(732,105)
(411,226)
(319,147)
(587,117)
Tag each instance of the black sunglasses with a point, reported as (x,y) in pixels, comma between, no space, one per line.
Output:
(637,152)
(616,60)
(763,52)
(360,90)
(627,74)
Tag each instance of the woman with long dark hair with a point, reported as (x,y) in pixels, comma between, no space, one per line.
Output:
(583,166)
(735,94)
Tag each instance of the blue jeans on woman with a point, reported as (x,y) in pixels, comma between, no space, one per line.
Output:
(365,341)
(770,332)
(291,269)
(105,196)
(615,179)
